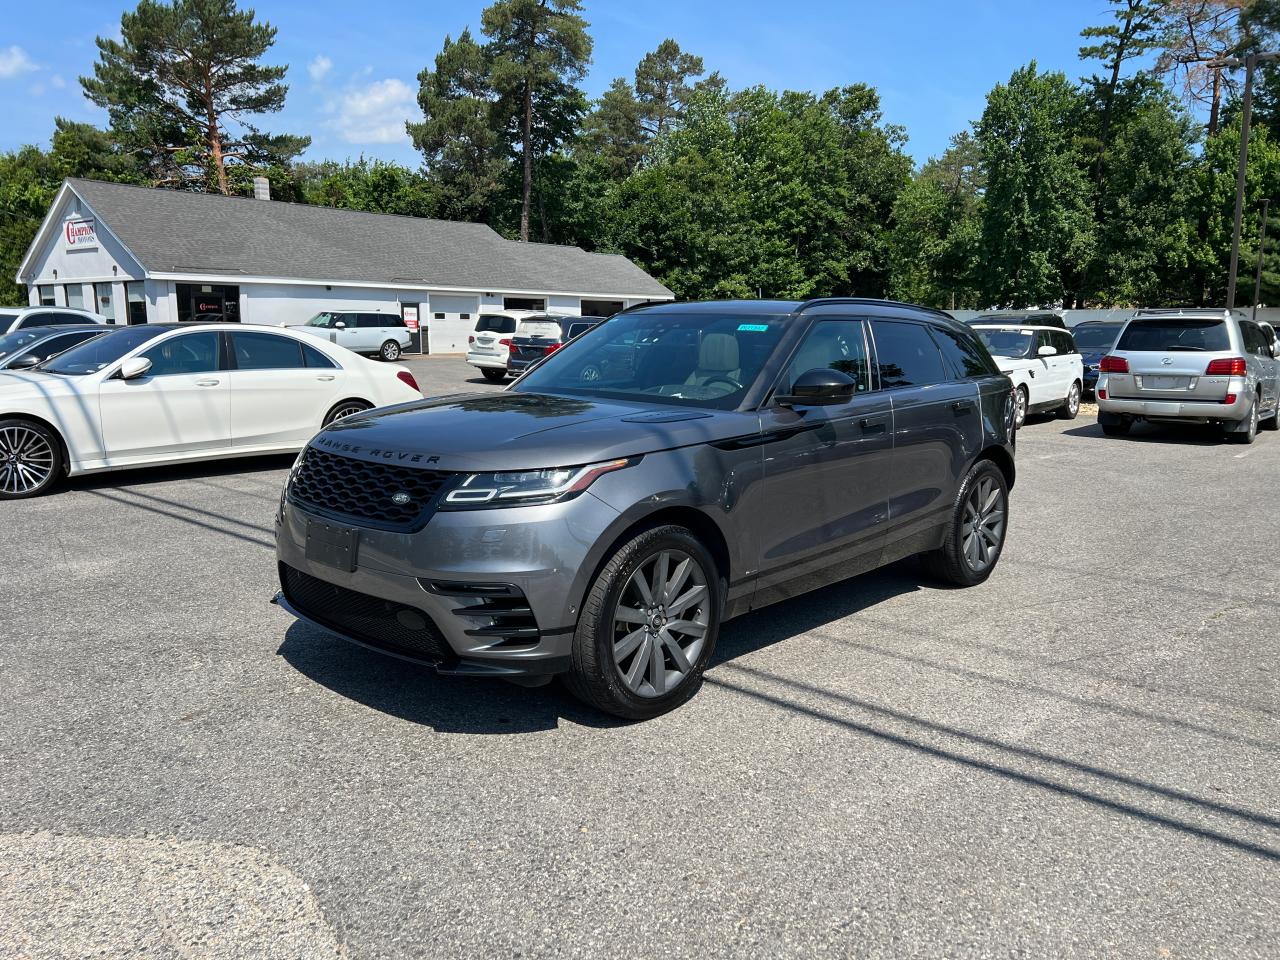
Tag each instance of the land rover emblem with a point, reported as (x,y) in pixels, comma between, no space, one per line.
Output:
(400,498)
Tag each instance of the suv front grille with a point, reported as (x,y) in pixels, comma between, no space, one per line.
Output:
(390,626)
(346,487)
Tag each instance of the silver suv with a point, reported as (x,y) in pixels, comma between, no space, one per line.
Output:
(1190,366)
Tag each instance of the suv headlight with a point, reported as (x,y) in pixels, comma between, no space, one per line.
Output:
(528,487)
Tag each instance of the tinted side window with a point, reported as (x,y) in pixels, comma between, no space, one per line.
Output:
(1066,346)
(264,351)
(963,353)
(65,318)
(315,358)
(190,353)
(1254,341)
(906,355)
(55,345)
(836,345)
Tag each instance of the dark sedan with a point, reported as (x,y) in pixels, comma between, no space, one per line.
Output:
(25,348)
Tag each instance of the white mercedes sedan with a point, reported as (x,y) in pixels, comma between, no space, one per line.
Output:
(167,393)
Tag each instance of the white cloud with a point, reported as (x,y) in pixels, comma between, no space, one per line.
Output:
(375,113)
(319,67)
(14,61)
(57,82)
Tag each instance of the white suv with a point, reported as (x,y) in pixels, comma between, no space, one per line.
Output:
(489,346)
(13,319)
(365,331)
(1044,364)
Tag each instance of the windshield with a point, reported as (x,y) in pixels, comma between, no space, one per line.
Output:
(1196,334)
(1095,339)
(11,343)
(695,359)
(1007,343)
(322,319)
(92,355)
(495,323)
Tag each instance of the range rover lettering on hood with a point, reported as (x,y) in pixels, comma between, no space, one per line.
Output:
(397,456)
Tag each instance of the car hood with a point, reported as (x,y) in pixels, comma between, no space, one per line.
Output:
(525,431)
(16,384)
(1009,364)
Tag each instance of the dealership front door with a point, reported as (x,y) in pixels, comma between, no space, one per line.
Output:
(207,301)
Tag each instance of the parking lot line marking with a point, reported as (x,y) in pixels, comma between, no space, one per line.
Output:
(1249,452)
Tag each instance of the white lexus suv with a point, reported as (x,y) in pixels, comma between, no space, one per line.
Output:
(1044,364)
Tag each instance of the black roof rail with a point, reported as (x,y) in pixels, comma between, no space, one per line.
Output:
(880,301)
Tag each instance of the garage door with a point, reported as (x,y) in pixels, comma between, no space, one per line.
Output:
(448,323)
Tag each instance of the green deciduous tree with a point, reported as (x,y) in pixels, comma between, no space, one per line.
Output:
(1036,224)
(30,178)
(375,186)
(183,86)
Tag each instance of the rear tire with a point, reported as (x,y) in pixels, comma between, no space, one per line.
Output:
(347,408)
(390,351)
(648,626)
(30,459)
(493,374)
(1071,408)
(975,536)
(1250,424)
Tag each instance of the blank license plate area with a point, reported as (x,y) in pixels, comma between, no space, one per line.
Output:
(1167,409)
(333,545)
(1165,383)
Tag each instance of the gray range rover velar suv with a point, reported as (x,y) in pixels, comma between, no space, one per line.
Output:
(671,468)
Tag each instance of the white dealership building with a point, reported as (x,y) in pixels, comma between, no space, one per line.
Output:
(142,255)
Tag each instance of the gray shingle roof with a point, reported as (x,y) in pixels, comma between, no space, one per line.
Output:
(170,231)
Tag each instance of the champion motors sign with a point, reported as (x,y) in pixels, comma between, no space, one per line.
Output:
(80,234)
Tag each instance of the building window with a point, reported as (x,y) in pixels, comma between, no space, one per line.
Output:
(601,308)
(524,303)
(102,301)
(464,316)
(47,297)
(137,300)
(206,301)
(75,295)
(439,316)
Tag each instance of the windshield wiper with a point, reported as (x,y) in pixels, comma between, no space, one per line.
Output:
(1186,349)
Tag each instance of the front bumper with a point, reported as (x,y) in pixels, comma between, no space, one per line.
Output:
(492,592)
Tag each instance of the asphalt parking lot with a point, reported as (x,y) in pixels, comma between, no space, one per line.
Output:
(1079,758)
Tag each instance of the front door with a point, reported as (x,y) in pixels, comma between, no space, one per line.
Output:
(937,427)
(182,404)
(827,468)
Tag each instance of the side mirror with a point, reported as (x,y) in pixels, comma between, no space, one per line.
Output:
(1047,351)
(25,362)
(340,324)
(134,367)
(818,387)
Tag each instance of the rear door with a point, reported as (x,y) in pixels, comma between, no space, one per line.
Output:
(280,389)
(382,327)
(937,426)
(1259,351)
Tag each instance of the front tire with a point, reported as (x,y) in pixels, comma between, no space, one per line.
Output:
(648,626)
(390,351)
(1069,409)
(493,374)
(975,536)
(1020,411)
(30,459)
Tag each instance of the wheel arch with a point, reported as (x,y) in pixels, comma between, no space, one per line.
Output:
(1002,459)
(369,405)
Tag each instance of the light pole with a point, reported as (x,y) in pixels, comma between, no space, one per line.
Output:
(1262,245)
(1246,109)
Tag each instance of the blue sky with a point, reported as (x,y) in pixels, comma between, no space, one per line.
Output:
(353,67)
